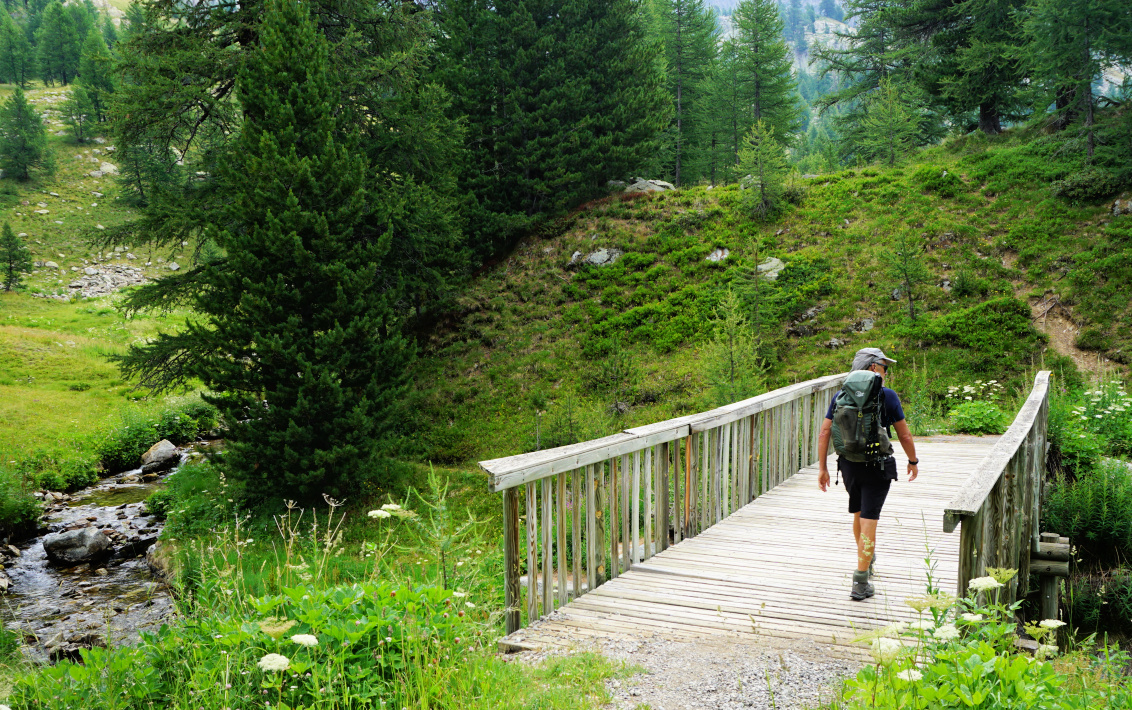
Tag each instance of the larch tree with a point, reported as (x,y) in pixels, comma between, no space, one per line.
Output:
(96,75)
(762,169)
(765,74)
(58,45)
(23,140)
(17,58)
(14,258)
(688,31)
(887,127)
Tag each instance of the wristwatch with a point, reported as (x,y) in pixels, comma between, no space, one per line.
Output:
(914,463)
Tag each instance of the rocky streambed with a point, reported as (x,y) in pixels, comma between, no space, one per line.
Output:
(87,581)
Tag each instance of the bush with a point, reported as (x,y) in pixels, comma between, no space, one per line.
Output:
(939,180)
(196,501)
(123,446)
(998,335)
(1094,511)
(977,418)
(19,509)
(1100,601)
(1093,339)
(966,283)
(1088,185)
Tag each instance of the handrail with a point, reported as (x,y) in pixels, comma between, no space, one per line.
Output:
(620,499)
(999,506)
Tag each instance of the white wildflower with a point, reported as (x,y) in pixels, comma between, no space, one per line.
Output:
(886,650)
(470,605)
(305,639)
(947,632)
(391,506)
(1045,651)
(459,595)
(1051,624)
(911,675)
(923,625)
(379,514)
(971,618)
(274,662)
(983,584)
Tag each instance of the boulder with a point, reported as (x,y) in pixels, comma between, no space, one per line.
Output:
(642,185)
(604,257)
(719,254)
(1121,207)
(76,546)
(161,455)
(51,265)
(770,268)
(108,169)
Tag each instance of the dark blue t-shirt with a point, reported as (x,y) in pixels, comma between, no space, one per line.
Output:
(891,412)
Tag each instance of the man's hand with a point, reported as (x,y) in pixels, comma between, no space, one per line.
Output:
(823,480)
(913,471)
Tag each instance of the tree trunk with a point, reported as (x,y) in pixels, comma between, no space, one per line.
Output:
(990,121)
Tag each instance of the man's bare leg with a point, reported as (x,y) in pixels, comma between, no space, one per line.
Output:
(865,531)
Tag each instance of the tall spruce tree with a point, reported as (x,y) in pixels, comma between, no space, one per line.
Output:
(23,140)
(688,31)
(58,45)
(726,120)
(887,128)
(293,334)
(762,166)
(169,133)
(14,258)
(17,58)
(559,96)
(764,71)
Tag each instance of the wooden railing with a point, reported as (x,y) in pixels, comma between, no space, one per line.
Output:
(1000,504)
(595,509)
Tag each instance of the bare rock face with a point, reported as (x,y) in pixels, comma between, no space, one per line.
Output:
(75,547)
(160,456)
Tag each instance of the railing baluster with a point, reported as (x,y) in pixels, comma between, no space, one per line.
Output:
(563,565)
(511,589)
(591,530)
(677,497)
(532,555)
(614,504)
(650,472)
(626,540)
(576,529)
(635,501)
(599,523)
(547,547)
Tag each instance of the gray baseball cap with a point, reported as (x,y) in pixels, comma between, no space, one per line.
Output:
(867,356)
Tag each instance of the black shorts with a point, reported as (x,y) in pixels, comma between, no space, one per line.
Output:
(867,484)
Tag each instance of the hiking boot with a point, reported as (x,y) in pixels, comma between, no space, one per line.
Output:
(861,587)
(873,566)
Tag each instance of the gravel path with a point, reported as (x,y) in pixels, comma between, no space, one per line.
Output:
(722,675)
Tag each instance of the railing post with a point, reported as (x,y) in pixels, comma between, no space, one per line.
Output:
(511,559)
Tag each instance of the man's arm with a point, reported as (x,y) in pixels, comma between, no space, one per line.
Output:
(823,452)
(906,443)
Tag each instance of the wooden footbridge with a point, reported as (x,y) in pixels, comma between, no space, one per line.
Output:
(712,525)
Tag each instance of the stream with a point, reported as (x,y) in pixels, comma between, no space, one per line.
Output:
(60,610)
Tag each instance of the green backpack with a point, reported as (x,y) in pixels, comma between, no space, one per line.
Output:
(857,433)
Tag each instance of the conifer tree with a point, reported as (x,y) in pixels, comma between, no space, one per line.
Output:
(688,30)
(887,129)
(96,75)
(762,167)
(79,112)
(726,119)
(17,58)
(904,265)
(58,45)
(559,97)
(765,72)
(14,258)
(109,32)
(294,337)
(23,140)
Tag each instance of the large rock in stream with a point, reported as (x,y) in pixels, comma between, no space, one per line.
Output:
(77,546)
(160,456)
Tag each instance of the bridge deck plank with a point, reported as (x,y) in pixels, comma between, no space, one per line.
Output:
(780,566)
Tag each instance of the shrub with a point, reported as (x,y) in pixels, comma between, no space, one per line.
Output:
(122,447)
(998,334)
(966,283)
(941,181)
(1100,601)
(1094,511)
(977,417)
(1088,185)
(1093,339)
(19,509)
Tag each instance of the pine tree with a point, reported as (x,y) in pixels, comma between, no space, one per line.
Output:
(887,126)
(96,74)
(762,165)
(294,337)
(765,72)
(58,45)
(688,30)
(733,366)
(14,258)
(559,97)
(17,59)
(23,140)
(109,32)
(726,119)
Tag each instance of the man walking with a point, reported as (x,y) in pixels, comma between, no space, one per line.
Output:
(868,483)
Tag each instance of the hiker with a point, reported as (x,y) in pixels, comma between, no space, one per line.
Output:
(865,462)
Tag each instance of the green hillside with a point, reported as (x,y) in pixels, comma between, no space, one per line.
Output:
(534,332)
